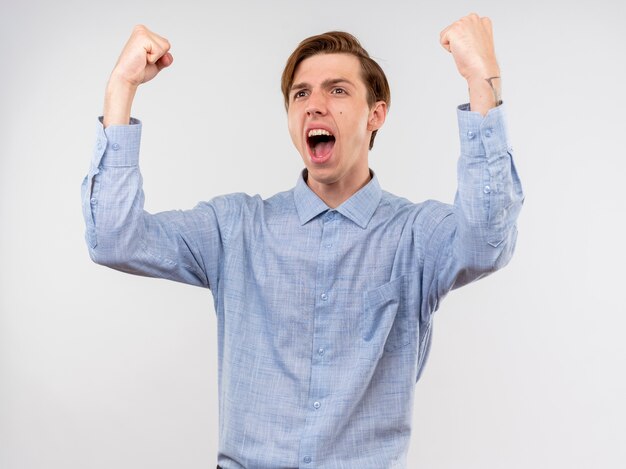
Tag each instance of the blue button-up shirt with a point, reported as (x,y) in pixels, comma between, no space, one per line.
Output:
(324,315)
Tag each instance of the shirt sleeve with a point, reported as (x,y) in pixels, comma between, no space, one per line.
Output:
(476,236)
(185,246)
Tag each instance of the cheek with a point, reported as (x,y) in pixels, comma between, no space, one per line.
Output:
(293,130)
(356,123)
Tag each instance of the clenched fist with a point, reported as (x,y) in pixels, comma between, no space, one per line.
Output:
(143,57)
(470,41)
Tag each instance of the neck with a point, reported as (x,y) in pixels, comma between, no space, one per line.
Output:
(335,193)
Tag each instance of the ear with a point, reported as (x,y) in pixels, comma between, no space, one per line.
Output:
(377,116)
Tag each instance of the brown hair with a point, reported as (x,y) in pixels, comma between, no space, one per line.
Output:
(338,42)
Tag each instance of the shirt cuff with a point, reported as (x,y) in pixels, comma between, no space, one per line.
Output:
(483,135)
(117,145)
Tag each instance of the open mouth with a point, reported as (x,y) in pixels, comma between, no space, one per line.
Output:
(320,143)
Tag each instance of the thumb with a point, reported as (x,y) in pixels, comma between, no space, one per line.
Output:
(153,53)
(444,39)
(156,47)
(164,61)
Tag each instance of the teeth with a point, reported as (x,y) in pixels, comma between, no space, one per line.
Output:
(316,132)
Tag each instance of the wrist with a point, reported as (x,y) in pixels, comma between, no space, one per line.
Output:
(120,85)
(118,102)
(485,93)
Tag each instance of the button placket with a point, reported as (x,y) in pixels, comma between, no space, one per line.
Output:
(319,384)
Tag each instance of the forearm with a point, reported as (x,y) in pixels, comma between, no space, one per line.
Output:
(489,195)
(112,191)
(477,234)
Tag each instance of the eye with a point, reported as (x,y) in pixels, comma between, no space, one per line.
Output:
(338,91)
(299,94)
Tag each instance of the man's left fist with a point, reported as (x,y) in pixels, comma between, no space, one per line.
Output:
(470,40)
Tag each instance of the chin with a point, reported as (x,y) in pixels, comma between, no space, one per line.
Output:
(322,176)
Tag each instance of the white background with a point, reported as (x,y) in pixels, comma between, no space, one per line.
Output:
(100,369)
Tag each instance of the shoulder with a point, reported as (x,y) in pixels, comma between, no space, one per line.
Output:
(422,217)
(228,203)
(427,208)
(242,206)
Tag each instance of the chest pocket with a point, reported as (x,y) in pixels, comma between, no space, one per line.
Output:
(387,322)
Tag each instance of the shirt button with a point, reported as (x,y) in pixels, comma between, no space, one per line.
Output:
(307,460)
(488,133)
(470,134)
(100,144)
(321,351)
(317,405)
(93,201)
(487,189)
(324,296)
(328,246)
(115,146)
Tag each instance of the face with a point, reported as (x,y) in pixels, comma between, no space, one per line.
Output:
(330,121)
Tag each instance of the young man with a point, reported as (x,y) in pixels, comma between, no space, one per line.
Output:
(324,294)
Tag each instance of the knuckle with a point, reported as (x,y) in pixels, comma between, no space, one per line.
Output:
(141,32)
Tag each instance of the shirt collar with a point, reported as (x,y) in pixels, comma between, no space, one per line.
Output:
(359,208)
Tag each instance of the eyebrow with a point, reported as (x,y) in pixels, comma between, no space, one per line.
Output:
(325,84)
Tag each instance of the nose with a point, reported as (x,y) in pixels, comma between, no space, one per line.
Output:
(316,105)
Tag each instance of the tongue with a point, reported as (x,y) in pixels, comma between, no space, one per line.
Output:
(322,149)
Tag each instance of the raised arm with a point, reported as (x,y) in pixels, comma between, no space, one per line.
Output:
(476,235)
(184,246)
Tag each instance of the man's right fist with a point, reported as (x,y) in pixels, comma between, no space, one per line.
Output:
(144,55)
